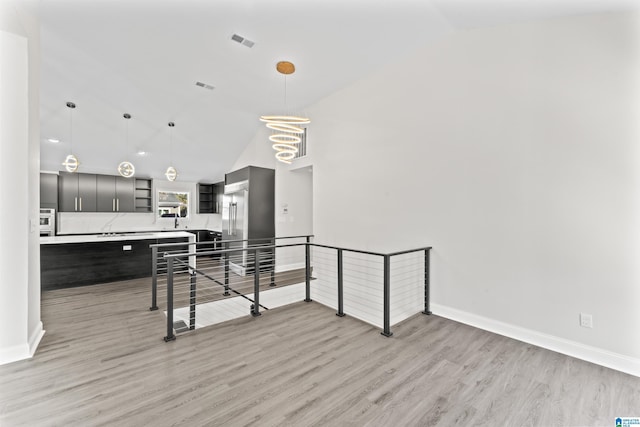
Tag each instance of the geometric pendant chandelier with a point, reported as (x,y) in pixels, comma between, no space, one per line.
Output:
(286,129)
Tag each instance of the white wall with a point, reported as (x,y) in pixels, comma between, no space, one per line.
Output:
(19,183)
(34,326)
(294,213)
(513,150)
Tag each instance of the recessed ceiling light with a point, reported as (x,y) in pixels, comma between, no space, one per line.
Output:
(53,140)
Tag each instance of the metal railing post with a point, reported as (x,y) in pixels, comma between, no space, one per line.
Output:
(154,279)
(427,280)
(192,300)
(170,336)
(256,284)
(340,286)
(226,270)
(307,271)
(387,291)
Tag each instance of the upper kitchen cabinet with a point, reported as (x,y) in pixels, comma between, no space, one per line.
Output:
(77,192)
(84,192)
(143,195)
(206,198)
(49,191)
(210,197)
(115,193)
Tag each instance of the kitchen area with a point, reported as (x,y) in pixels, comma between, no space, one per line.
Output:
(97,228)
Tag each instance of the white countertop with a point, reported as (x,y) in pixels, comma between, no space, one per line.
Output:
(95,238)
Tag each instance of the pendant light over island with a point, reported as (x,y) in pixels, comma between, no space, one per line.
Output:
(171,172)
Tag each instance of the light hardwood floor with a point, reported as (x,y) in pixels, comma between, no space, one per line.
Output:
(102,362)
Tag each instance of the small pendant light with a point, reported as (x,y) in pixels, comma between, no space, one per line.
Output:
(171,172)
(126,168)
(71,162)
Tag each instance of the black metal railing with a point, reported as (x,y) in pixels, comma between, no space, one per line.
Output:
(258,265)
(386,279)
(226,252)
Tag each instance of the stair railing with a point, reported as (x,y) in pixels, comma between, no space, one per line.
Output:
(254,251)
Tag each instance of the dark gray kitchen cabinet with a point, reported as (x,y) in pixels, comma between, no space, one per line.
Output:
(208,240)
(125,194)
(49,191)
(206,198)
(79,264)
(115,193)
(76,192)
(210,198)
(143,195)
(67,193)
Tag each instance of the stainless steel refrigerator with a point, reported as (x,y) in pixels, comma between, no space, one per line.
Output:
(248,216)
(235,222)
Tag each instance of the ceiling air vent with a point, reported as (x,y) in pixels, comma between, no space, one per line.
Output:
(204,85)
(238,38)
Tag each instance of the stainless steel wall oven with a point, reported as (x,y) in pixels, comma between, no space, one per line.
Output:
(47,222)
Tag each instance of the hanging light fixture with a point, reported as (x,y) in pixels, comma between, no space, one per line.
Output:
(126,168)
(171,172)
(71,162)
(286,129)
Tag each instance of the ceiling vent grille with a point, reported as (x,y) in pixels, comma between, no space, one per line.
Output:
(204,85)
(246,42)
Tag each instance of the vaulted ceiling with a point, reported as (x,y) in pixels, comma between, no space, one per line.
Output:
(144,57)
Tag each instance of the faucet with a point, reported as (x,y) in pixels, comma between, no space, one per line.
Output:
(175,224)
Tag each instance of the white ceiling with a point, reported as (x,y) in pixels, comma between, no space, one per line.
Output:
(143,57)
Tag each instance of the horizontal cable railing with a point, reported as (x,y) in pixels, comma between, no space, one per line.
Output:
(257,270)
(209,283)
(361,282)
(222,262)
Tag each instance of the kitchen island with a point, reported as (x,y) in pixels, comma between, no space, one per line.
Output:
(78,260)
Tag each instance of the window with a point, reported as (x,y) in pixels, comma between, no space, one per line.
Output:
(173,204)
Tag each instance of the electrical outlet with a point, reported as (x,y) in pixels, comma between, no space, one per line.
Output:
(586,320)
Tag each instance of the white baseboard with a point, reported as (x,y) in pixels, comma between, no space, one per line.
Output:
(609,359)
(22,351)
(35,338)
(15,353)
